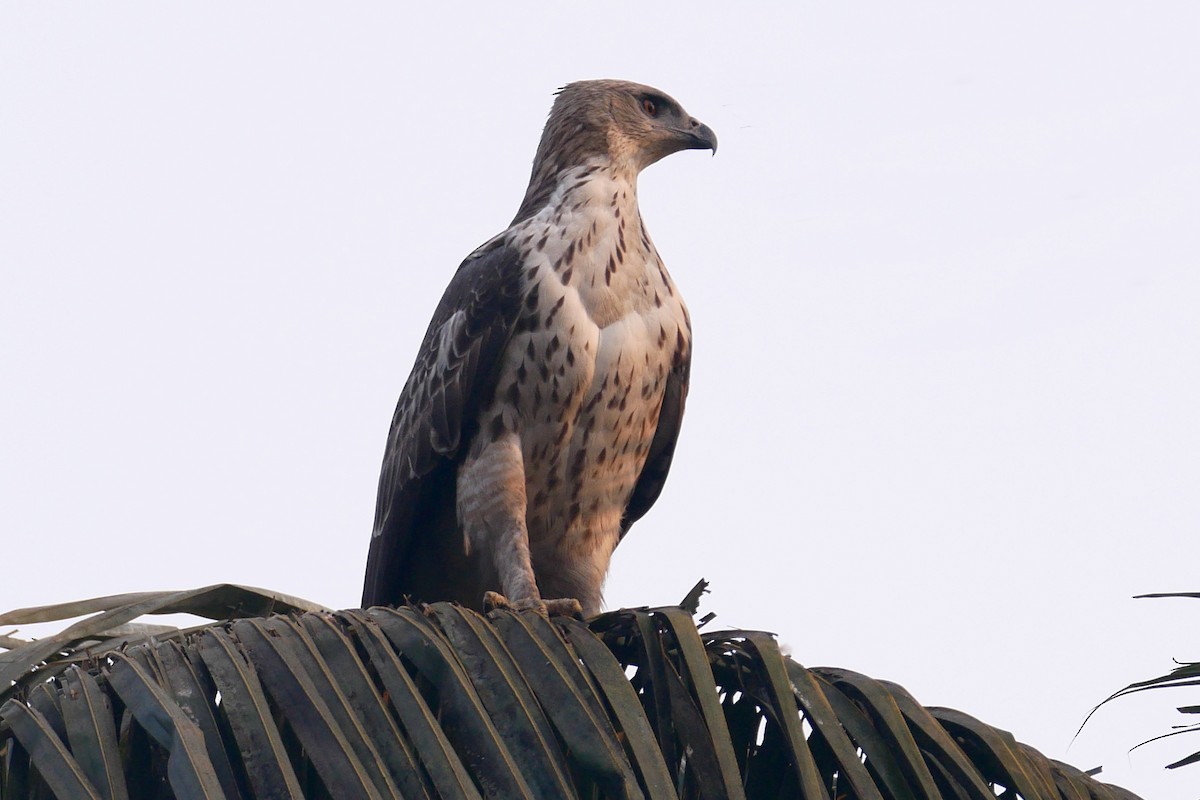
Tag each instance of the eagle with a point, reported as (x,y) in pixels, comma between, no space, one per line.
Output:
(540,418)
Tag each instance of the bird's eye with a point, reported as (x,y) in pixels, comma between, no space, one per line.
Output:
(649,107)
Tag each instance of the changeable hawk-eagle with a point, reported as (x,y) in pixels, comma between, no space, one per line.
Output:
(541,415)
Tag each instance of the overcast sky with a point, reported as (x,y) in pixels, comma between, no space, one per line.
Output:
(943,275)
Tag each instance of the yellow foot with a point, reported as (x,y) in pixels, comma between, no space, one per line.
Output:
(562,607)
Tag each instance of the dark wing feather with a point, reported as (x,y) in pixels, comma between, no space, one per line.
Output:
(454,375)
(662,448)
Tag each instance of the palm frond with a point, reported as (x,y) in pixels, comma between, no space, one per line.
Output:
(439,701)
(1185,673)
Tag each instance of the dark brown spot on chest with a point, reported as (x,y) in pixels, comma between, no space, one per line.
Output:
(554,310)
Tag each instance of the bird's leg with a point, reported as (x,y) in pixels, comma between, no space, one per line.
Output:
(491,509)
(515,568)
(578,573)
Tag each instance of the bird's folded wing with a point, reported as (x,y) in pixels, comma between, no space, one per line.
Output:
(662,447)
(453,377)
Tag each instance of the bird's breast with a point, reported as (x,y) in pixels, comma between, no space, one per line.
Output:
(586,369)
(587,406)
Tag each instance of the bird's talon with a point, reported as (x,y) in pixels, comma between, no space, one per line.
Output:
(562,607)
(494,600)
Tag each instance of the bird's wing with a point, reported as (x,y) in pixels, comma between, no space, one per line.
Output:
(662,448)
(454,375)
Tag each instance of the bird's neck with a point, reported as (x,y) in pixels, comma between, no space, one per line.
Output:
(595,201)
(589,233)
(550,181)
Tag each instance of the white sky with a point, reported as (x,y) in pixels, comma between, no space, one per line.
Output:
(943,277)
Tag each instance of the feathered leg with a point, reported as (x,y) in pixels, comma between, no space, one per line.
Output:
(491,510)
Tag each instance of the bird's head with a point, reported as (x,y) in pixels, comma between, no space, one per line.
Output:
(630,124)
(635,124)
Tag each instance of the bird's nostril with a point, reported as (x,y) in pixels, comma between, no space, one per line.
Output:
(695,123)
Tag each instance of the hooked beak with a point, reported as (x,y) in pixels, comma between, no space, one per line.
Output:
(699,136)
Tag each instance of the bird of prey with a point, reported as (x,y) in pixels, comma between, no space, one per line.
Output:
(541,414)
